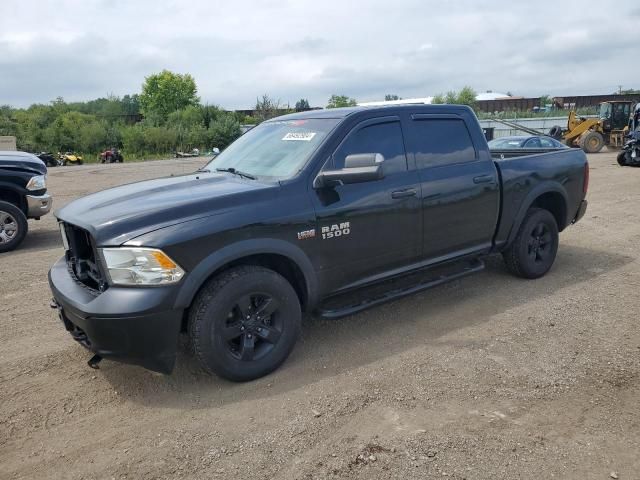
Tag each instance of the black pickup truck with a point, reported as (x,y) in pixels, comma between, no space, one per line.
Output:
(328,212)
(23,195)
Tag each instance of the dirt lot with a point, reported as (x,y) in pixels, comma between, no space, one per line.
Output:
(487,377)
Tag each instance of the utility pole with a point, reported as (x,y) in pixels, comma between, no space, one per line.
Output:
(619,89)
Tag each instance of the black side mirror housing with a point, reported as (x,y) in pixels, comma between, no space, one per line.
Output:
(358,168)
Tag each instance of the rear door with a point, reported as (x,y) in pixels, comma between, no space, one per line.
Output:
(459,185)
(366,229)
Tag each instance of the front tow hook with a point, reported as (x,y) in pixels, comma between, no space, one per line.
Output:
(94,361)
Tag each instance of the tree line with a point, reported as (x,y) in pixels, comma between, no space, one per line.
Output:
(165,117)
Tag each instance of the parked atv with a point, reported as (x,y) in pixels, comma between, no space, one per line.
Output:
(112,155)
(70,158)
(48,159)
(630,154)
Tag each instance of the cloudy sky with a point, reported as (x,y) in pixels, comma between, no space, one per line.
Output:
(237,50)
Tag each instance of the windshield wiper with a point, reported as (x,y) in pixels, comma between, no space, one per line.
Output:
(236,172)
(203,170)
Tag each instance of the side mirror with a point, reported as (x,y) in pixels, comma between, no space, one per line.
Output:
(358,160)
(358,168)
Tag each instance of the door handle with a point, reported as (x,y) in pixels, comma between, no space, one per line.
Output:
(409,192)
(483,179)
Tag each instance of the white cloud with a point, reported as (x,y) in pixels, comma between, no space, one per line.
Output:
(82,49)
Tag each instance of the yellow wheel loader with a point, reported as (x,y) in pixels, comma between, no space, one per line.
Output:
(591,134)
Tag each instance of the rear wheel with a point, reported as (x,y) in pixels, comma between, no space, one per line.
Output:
(534,249)
(622,159)
(13,226)
(244,323)
(591,142)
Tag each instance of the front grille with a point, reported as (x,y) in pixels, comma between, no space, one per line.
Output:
(82,259)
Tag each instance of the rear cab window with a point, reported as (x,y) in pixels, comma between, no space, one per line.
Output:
(436,142)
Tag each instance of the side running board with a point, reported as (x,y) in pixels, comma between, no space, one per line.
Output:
(349,303)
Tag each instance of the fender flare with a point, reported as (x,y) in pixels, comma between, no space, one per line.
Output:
(537,191)
(198,276)
(19,191)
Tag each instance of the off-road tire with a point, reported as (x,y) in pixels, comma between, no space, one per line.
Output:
(215,311)
(591,142)
(556,132)
(21,223)
(528,256)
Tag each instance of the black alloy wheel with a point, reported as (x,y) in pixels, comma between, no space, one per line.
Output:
(539,247)
(253,327)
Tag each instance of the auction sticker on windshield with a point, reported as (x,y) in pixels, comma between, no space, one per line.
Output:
(299,136)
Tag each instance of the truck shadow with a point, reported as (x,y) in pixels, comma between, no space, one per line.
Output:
(332,347)
(37,240)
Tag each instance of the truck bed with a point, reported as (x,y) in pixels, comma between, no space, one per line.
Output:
(561,173)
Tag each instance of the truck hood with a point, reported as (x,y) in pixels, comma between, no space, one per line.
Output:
(116,215)
(22,162)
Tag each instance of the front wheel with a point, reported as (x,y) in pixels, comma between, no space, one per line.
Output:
(591,142)
(244,323)
(533,251)
(13,226)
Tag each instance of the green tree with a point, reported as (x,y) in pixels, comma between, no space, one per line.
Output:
(337,101)
(302,105)
(466,96)
(8,124)
(210,113)
(166,92)
(186,118)
(266,108)
(544,100)
(390,97)
(628,91)
(224,131)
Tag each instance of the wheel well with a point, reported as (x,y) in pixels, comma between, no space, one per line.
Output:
(553,202)
(278,263)
(13,198)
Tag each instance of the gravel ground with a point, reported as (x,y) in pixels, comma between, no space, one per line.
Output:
(486,377)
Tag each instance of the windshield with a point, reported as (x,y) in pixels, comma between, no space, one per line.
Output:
(605,110)
(276,149)
(506,143)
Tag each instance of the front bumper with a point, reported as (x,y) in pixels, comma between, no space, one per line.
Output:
(581,211)
(132,325)
(38,205)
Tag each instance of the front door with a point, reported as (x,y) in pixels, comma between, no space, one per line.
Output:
(366,229)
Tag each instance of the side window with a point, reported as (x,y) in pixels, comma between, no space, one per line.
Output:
(546,143)
(532,143)
(437,142)
(384,138)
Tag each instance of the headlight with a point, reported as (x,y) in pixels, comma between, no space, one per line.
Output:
(141,266)
(39,182)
